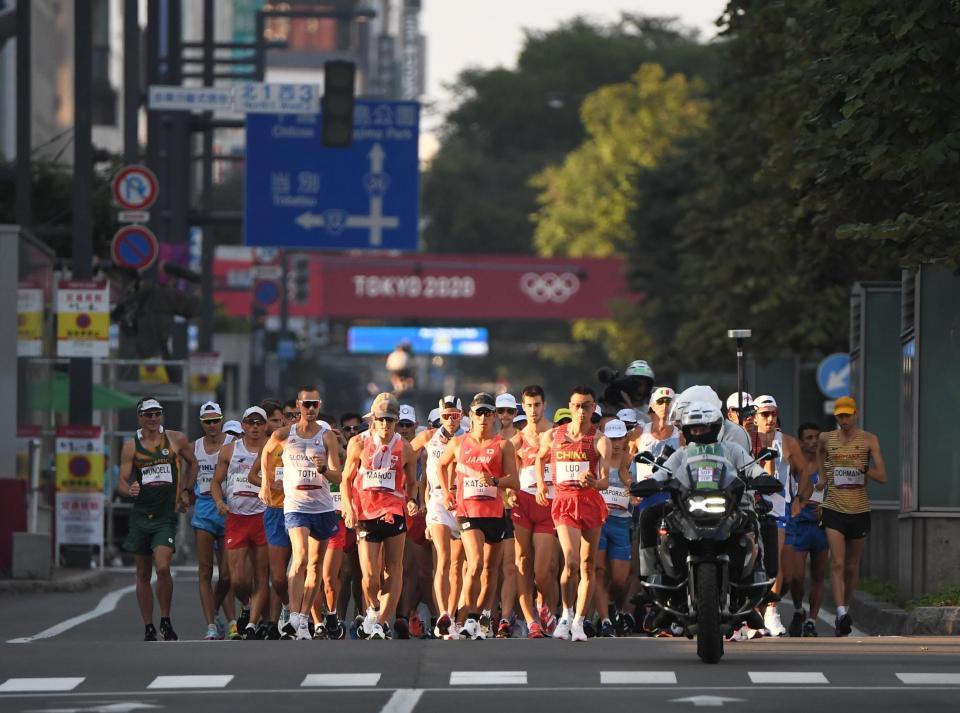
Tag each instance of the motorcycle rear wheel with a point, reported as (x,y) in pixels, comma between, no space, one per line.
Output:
(709,635)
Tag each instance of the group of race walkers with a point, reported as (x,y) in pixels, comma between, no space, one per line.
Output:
(493,518)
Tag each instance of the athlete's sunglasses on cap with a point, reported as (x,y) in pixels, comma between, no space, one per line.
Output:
(311,403)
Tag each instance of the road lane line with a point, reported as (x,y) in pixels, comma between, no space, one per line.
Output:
(488,678)
(403,700)
(40,685)
(190,681)
(787,677)
(628,677)
(106,605)
(339,680)
(926,679)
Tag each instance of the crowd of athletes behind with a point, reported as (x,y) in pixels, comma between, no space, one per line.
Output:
(524,528)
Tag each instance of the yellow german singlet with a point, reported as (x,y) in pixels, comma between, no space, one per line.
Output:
(845,467)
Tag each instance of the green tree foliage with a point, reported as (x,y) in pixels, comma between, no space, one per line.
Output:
(510,124)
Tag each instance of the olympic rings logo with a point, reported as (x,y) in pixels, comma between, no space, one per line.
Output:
(549,286)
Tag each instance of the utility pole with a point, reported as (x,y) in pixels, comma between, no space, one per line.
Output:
(24,176)
(131,81)
(206,195)
(81,369)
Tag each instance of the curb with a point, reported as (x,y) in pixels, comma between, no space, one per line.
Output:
(886,619)
(73,582)
(939,621)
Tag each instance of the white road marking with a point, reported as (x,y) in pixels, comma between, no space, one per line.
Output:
(339,680)
(122,707)
(105,606)
(710,701)
(927,679)
(38,685)
(787,677)
(190,681)
(488,678)
(403,700)
(627,677)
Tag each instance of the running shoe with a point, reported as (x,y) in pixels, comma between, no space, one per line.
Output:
(519,629)
(548,619)
(796,624)
(590,628)
(288,632)
(243,619)
(771,621)
(149,633)
(417,629)
(387,634)
(369,621)
(624,623)
(486,625)
(166,630)
(607,629)
(233,631)
(471,630)
(284,616)
(250,633)
(504,629)
(273,632)
(809,628)
(303,631)
(263,631)
(402,627)
(442,629)
(376,633)
(319,632)
(649,618)
(334,628)
(535,631)
(212,633)
(356,631)
(454,632)
(221,627)
(577,632)
(844,625)
(562,630)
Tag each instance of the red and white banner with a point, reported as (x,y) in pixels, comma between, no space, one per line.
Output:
(482,287)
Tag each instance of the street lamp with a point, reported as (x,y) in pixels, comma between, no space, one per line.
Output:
(740,335)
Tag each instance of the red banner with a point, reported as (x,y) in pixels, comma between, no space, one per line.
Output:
(442,287)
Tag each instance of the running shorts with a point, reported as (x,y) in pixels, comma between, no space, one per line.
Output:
(491,527)
(530,515)
(206,517)
(852,526)
(148,532)
(322,525)
(380,529)
(615,538)
(245,531)
(806,536)
(583,509)
(507,524)
(275,525)
(437,514)
(417,529)
(339,541)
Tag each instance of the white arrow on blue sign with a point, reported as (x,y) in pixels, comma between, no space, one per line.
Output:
(833,375)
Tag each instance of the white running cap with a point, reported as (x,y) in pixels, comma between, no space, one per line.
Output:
(734,402)
(615,428)
(627,415)
(407,413)
(150,405)
(434,415)
(765,403)
(210,408)
(506,401)
(254,411)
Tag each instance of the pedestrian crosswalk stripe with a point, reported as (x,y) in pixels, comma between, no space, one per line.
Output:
(40,685)
(787,677)
(615,677)
(488,678)
(340,680)
(191,681)
(929,678)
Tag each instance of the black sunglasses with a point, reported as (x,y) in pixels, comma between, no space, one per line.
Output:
(291,414)
(311,403)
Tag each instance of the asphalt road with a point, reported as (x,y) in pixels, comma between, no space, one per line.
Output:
(99,664)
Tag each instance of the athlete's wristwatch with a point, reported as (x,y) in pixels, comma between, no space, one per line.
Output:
(321,469)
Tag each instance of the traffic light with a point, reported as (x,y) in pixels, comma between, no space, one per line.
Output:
(298,280)
(337,105)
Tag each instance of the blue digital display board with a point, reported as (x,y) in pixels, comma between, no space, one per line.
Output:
(442,341)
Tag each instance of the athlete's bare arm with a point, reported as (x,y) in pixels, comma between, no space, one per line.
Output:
(125,487)
(181,446)
(259,466)
(333,474)
(508,461)
(543,455)
(219,475)
(350,470)
(445,468)
(410,478)
(421,440)
(601,480)
(879,470)
(821,458)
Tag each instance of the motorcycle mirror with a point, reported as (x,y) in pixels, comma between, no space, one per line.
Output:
(766,485)
(644,488)
(767,454)
(645,457)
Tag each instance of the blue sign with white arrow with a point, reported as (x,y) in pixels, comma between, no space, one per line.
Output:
(300,194)
(833,375)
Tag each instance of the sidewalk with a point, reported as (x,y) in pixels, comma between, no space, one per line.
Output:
(63,580)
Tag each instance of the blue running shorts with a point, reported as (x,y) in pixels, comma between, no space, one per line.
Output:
(323,525)
(206,517)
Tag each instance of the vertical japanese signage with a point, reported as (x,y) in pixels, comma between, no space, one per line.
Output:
(206,373)
(29,320)
(83,319)
(79,480)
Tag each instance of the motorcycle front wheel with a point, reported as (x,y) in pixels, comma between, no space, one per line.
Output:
(709,635)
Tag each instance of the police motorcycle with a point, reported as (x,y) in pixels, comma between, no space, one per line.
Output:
(711,576)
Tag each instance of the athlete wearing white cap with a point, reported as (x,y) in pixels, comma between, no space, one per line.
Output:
(613,556)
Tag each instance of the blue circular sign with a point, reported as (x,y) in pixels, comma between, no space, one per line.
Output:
(833,375)
(266,292)
(135,247)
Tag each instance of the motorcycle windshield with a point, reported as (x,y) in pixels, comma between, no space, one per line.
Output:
(707,469)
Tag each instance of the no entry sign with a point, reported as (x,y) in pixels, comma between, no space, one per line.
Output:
(134,247)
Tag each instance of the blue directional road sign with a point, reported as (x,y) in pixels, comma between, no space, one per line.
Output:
(300,194)
(833,375)
(266,292)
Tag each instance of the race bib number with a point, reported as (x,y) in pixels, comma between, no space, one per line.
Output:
(306,479)
(278,473)
(204,480)
(817,496)
(379,479)
(848,477)
(474,489)
(337,501)
(158,474)
(528,478)
(617,497)
(570,471)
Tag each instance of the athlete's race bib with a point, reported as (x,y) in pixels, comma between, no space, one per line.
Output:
(569,471)
(848,477)
(474,489)
(158,474)
(204,480)
(278,473)
(337,501)
(617,497)
(817,496)
(379,479)
(307,479)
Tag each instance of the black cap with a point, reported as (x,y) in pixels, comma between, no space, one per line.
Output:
(483,400)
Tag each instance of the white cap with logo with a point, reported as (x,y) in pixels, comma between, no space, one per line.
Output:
(615,428)
(765,403)
(733,400)
(408,413)
(506,401)
(254,411)
(210,408)
(628,416)
(662,392)
(149,405)
(434,415)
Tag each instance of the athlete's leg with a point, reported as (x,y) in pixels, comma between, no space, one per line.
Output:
(223,593)
(260,599)
(424,560)
(242,575)
(161,563)
(524,557)
(472,541)
(296,580)
(797,564)
(783,573)
(279,590)
(458,558)
(311,585)
(332,562)
(589,545)
(818,568)
(601,596)
(392,580)
(547,557)
(508,581)
(144,591)
(441,538)
(838,553)
(570,547)
(851,563)
(205,542)
(489,579)
(619,581)
(371,564)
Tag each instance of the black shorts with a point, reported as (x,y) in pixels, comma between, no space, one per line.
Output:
(493,528)
(507,525)
(379,530)
(852,527)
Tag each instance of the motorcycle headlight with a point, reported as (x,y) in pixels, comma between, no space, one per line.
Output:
(706,505)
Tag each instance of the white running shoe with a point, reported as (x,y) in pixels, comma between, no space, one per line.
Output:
(303,631)
(471,630)
(284,616)
(741,634)
(376,633)
(563,629)
(771,621)
(576,632)
(370,621)
(212,633)
(453,632)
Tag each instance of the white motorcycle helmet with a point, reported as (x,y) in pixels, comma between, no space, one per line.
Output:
(701,413)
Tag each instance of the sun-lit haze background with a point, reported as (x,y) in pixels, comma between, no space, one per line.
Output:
(489,34)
